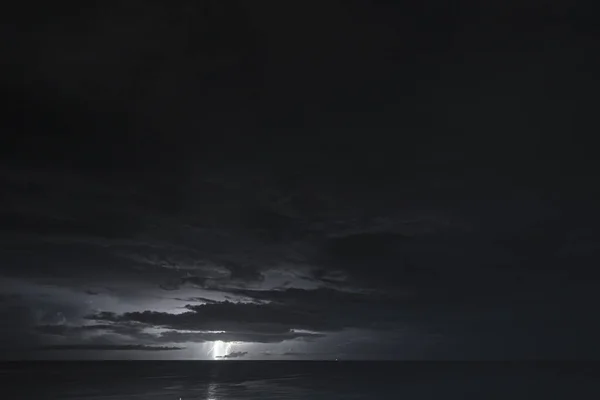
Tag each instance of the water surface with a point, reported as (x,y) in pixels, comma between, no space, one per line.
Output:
(244,380)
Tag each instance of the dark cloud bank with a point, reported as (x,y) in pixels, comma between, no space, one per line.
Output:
(75,347)
(168,183)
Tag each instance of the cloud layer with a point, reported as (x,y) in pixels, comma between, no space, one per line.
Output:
(244,188)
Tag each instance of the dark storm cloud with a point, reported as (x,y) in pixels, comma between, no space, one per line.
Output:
(136,332)
(249,337)
(430,263)
(21,315)
(227,150)
(8,298)
(494,259)
(279,315)
(322,298)
(107,347)
(67,330)
(17,322)
(197,299)
(205,243)
(334,242)
(301,355)
(234,317)
(68,231)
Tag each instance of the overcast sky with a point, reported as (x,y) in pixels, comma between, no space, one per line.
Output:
(280,180)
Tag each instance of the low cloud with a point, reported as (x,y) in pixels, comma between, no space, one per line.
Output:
(251,337)
(137,333)
(105,347)
(197,299)
(298,354)
(66,330)
(235,354)
(276,316)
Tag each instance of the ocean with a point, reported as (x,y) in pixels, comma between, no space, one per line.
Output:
(245,380)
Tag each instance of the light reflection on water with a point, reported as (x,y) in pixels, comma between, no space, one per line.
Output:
(292,381)
(211,391)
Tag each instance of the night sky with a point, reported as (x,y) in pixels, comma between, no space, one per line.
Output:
(299,180)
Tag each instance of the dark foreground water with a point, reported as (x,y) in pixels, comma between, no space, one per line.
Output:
(224,380)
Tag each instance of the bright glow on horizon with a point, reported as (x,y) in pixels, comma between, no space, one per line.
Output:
(220,349)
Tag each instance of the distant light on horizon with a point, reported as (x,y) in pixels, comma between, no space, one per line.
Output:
(219,349)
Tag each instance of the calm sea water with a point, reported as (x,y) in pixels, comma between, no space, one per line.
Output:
(244,380)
